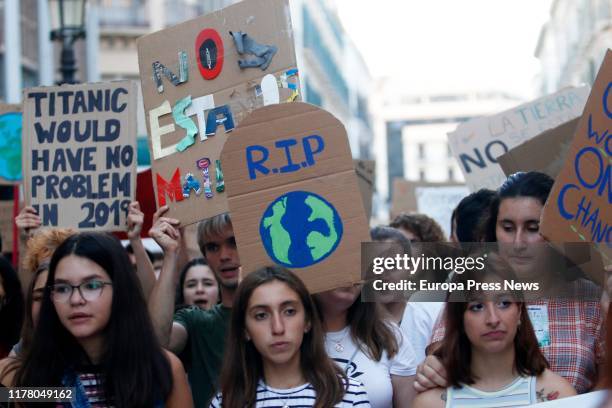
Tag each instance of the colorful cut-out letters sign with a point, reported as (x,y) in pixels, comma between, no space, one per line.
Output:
(293,195)
(10,144)
(195,93)
(79,154)
(579,206)
(479,142)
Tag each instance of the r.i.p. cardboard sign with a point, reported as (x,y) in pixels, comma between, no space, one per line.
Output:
(478,143)
(579,206)
(79,154)
(199,80)
(10,144)
(293,195)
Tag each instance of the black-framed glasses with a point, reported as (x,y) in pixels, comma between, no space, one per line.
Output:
(89,290)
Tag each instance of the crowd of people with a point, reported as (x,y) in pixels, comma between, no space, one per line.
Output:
(81,312)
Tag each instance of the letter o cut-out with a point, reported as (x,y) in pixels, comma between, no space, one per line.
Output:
(209,53)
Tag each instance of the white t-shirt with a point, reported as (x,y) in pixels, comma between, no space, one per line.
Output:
(374,375)
(301,396)
(418,323)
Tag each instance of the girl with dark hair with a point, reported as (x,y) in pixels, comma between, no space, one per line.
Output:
(490,350)
(103,341)
(197,285)
(11,307)
(275,354)
(368,346)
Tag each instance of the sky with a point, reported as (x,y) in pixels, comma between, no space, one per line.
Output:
(438,45)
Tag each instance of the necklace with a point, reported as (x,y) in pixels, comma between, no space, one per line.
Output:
(283,400)
(338,343)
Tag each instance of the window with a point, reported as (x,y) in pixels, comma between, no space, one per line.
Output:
(421,148)
(451,174)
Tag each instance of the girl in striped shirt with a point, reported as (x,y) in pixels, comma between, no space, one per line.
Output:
(275,355)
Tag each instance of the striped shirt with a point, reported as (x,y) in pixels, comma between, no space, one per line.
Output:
(302,396)
(93,385)
(521,392)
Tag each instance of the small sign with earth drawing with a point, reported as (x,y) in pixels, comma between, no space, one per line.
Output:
(10,144)
(293,195)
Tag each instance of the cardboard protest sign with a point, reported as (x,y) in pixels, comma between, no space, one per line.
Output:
(293,195)
(6,224)
(478,143)
(199,80)
(144,196)
(365,170)
(10,144)
(79,154)
(578,208)
(439,203)
(404,199)
(544,153)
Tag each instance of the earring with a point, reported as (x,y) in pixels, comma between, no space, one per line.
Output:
(519,323)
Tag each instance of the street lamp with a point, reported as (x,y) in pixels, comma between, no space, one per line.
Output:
(67,23)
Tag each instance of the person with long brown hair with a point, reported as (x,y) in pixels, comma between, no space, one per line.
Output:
(368,346)
(275,354)
(490,351)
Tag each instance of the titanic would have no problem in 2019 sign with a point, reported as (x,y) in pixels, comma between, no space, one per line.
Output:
(79,146)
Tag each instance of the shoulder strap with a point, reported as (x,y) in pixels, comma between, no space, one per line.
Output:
(449,397)
(532,390)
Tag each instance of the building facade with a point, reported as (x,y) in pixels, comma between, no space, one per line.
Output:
(332,72)
(411,133)
(19,50)
(573,43)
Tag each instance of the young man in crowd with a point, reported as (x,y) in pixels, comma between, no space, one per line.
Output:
(199,332)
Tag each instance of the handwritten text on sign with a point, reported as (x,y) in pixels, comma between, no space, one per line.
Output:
(593,171)
(479,142)
(256,155)
(81,155)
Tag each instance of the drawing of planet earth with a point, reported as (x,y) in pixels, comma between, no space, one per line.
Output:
(300,229)
(10,146)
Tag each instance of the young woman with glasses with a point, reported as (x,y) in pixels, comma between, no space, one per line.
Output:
(103,341)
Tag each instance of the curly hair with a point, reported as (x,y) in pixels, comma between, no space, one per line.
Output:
(424,227)
(41,246)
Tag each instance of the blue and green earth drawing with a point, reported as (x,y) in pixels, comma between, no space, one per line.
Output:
(300,229)
(10,146)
